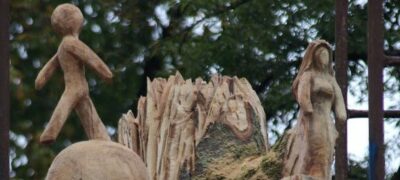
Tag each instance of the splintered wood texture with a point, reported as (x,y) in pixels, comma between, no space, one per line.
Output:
(95,160)
(176,113)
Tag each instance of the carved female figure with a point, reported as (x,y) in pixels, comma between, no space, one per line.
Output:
(312,141)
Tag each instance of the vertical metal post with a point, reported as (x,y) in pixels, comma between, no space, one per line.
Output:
(341,8)
(4,89)
(376,169)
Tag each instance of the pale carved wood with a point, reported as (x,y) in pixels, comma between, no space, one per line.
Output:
(96,160)
(71,57)
(129,126)
(310,149)
(176,113)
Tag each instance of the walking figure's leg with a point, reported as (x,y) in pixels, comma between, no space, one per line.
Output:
(90,120)
(58,118)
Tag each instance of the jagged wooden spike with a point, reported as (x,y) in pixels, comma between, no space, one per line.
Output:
(129,137)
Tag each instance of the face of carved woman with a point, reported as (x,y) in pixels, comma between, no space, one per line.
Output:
(323,57)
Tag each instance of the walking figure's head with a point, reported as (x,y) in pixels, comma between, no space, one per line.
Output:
(67,19)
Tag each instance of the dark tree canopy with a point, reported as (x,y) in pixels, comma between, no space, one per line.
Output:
(260,40)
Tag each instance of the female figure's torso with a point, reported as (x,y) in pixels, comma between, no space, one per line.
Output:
(321,130)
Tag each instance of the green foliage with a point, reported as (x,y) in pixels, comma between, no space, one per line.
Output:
(261,40)
(248,173)
(245,151)
(357,170)
(272,163)
(272,166)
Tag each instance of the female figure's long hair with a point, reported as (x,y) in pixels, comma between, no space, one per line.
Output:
(308,61)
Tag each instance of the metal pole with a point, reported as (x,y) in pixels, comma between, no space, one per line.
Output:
(4,89)
(392,60)
(364,114)
(341,8)
(376,169)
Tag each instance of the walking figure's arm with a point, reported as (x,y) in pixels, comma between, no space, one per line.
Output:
(82,52)
(46,72)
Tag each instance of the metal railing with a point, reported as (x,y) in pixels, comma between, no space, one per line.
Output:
(377,61)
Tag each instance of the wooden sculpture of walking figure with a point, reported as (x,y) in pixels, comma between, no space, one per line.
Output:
(72,55)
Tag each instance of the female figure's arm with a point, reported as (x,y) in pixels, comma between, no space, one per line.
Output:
(339,107)
(304,93)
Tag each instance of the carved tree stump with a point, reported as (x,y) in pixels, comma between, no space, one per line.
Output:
(176,114)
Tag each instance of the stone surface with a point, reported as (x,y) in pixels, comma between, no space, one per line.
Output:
(71,57)
(311,142)
(97,160)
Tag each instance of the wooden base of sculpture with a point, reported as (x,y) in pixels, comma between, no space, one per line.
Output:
(300,177)
(300,158)
(95,160)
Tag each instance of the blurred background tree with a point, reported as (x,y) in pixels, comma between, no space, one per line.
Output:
(261,40)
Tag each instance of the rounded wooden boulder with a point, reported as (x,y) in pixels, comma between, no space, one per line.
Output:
(97,160)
